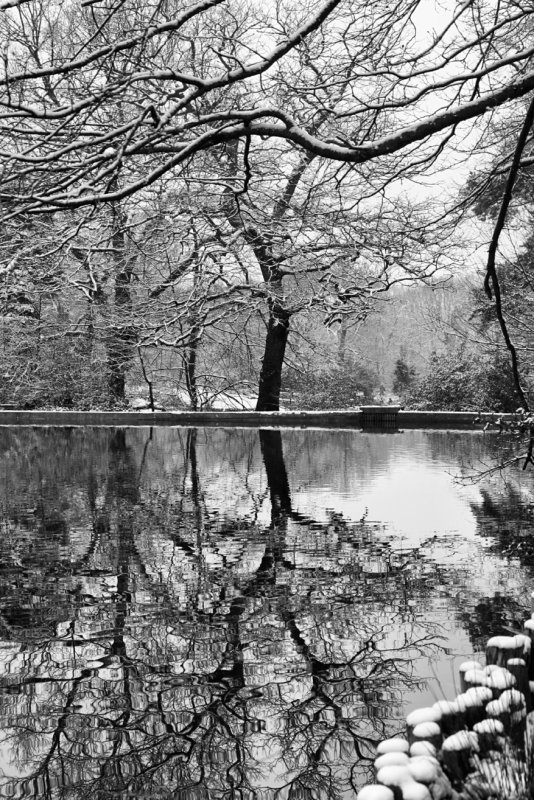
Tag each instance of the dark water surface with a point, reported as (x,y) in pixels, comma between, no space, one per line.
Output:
(240,614)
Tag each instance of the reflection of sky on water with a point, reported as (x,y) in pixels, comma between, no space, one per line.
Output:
(414,499)
(165,592)
(423,505)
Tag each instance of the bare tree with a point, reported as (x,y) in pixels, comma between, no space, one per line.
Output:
(102,103)
(176,103)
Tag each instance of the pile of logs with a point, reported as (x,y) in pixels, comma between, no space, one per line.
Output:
(445,741)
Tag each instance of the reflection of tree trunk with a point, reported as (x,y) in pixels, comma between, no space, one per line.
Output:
(122,468)
(232,667)
(191,457)
(273,458)
(125,478)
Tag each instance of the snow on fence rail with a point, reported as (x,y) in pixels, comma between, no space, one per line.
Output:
(477,745)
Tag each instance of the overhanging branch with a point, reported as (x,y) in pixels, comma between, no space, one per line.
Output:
(491,281)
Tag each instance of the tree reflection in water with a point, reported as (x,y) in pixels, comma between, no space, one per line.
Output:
(505,521)
(154,645)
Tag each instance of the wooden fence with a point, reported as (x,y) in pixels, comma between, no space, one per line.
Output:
(478,744)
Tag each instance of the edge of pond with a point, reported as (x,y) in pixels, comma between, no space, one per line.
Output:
(452,420)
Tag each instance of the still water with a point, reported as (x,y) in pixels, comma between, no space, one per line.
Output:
(241,614)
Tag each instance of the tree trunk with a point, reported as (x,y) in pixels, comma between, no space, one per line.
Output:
(342,346)
(121,337)
(190,367)
(270,265)
(273,359)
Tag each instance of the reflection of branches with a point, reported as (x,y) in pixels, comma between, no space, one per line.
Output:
(513,445)
(507,525)
(285,678)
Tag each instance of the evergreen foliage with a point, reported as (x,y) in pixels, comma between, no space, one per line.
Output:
(404,377)
(461,380)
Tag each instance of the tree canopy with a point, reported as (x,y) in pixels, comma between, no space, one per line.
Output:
(228,165)
(104,97)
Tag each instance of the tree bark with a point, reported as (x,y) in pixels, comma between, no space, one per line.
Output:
(190,366)
(270,382)
(121,337)
(278,324)
(342,346)
(189,359)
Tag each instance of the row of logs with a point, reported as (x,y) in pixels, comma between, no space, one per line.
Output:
(434,759)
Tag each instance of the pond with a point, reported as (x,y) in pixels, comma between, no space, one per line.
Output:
(221,613)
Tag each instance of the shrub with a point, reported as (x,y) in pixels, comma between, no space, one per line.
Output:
(339,386)
(462,381)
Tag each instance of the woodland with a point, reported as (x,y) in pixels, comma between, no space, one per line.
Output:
(272,204)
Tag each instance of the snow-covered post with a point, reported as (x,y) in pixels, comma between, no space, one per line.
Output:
(456,752)
(528,628)
(423,725)
(510,709)
(468,667)
(450,720)
(401,782)
(500,649)
(499,680)
(444,741)
(375,791)
(489,732)
(519,669)
(472,704)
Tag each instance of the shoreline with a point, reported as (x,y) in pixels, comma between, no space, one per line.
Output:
(372,418)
